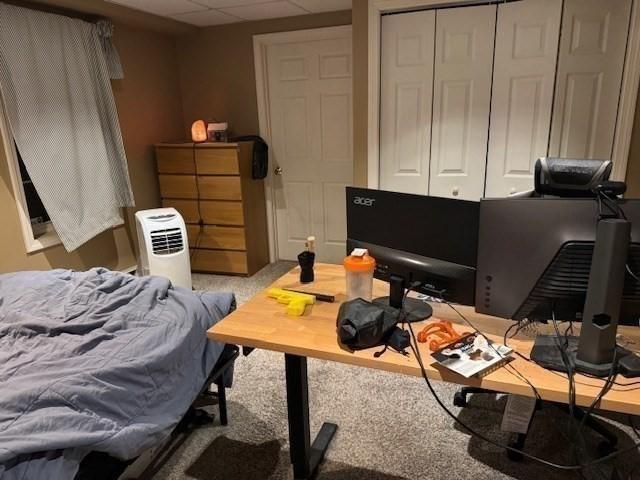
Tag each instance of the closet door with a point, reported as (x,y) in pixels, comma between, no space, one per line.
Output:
(406,90)
(592,50)
(524,72)
(461,101)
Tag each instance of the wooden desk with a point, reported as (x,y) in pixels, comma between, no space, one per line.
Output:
(263,323)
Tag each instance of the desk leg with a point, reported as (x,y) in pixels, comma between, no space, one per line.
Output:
(305,456)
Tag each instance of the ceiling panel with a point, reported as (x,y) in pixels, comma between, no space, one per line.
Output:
(317,6)
(217,12)
(261,11)
(207,18)
(162,7)
(231,3)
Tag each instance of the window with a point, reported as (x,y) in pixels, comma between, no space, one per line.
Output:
(37,230)
(38,215)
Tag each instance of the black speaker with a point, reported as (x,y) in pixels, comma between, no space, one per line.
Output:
(570,177)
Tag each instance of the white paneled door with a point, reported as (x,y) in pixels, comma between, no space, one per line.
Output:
(527,35)
(406,92)
(310,117)
(461,101)
(590,63)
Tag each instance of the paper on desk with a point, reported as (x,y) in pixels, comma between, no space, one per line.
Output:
(517,414)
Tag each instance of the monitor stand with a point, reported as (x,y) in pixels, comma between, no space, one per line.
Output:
(546,353)
(415,310)
(596,349)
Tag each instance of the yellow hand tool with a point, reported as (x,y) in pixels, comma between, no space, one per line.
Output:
(295,302)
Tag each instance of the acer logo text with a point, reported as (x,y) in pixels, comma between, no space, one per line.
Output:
(367,202)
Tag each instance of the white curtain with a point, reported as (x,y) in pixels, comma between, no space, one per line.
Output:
(54,80)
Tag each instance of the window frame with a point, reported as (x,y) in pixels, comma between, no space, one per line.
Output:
(46,235)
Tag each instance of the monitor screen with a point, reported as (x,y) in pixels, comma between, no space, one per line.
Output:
(534,258)
(433,227)
(417,238)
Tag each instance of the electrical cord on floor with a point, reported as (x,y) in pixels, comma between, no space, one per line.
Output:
(570,467)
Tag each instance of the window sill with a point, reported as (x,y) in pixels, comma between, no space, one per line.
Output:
(50,239)
(46,240)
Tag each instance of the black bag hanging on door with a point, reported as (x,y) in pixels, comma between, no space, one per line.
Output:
(260,158)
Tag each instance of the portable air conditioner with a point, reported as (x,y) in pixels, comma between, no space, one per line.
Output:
(164,248)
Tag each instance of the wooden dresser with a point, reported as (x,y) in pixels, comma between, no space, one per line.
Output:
(212,182)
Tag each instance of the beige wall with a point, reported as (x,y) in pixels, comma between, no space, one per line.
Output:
(149,109)
(633,166)
(217,71)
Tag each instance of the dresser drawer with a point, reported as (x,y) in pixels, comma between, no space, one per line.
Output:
(219,188)
(175,160)
(187,208)
(178,186)
(222,213)
(217,161)
(221,238)
(223,261)
(213,212)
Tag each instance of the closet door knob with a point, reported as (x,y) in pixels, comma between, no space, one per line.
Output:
(277,171)
(455,191)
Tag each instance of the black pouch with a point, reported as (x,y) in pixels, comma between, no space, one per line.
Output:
(260,155)
(361,324)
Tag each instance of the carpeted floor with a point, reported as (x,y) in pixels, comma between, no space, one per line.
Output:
(389,425)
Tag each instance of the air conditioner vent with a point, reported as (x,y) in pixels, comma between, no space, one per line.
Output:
(167,241)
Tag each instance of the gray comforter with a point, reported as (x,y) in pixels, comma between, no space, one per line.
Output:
(96,361)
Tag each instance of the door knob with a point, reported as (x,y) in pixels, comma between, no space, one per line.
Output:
(455,191)
(277,171)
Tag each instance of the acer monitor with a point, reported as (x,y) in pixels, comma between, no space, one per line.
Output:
(416,238)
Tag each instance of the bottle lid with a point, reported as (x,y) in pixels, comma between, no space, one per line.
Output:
(359,261)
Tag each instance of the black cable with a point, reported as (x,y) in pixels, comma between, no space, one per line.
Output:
(588,375)
(584,374)
(635,277)
(603,391)
(574,467)
(498,444)
(510,368)
(616,206)
(506,332)
(200,220)
(633,427)
(562,344)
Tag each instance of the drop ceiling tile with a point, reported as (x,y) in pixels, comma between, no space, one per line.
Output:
(231,3)
(162,7)
(207,18)
(260,11)
(316,6)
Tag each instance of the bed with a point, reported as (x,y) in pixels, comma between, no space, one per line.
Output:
(97,361)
